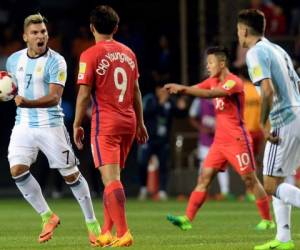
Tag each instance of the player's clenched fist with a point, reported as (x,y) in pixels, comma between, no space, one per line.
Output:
(20,101)
(78,135)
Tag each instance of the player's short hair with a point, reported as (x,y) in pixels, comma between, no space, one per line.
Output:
(220,52)
(104,18)
(254,19)
(34,19)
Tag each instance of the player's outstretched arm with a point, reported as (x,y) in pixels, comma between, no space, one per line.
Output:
(82,102)
(50,100)
(141,133)
(174,88)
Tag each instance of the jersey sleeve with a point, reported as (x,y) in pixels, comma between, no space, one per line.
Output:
(206,84)
(136,69)
(258,63)
(8,65)
(58,71)
(86,72)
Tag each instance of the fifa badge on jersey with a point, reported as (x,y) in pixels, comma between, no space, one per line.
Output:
(256,71)
(229,84)
(62,76)
(82,67)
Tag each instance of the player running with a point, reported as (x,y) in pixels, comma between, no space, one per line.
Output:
(232,142)
(271,68)
(40,75)
(109,74)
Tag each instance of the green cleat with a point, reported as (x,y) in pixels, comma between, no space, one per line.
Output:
(94,231)
(276,244)
(180,221)
(265,225)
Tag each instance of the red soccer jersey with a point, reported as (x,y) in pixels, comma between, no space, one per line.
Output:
(229,110)
(110,68)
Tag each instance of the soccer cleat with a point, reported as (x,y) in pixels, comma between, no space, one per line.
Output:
(94,231)
(104,240)
(276,244)
(48,228)
(265,224)
(180,221)
(125,241)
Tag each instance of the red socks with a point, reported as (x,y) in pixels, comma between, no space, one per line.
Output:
(115,207)
(264,208)
(195,202)
(108,222)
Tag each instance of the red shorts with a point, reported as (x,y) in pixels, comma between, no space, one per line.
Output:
(239,155)
(111,149)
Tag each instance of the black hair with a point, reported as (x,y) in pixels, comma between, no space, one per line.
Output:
(254,19)
(219,51)
(104,18)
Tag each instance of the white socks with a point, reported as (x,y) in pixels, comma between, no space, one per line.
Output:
(288,194)
(282,213)
(81,191)
(223,179)
(32,192)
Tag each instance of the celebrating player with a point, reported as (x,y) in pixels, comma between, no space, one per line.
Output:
(271,68)
(40,75)
(232,142)
(109,73)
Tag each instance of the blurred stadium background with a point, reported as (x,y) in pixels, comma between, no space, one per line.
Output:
(169,38)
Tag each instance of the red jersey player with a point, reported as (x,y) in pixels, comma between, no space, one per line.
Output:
(232,142)
(108,72)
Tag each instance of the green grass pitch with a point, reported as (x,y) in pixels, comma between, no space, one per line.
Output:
(219,225)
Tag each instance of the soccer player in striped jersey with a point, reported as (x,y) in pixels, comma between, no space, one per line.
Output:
(232,142)
(271,68)
(40,75)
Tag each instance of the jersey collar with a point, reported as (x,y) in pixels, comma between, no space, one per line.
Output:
(37,56)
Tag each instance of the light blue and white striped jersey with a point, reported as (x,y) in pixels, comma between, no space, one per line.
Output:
(268,60)
(33,76)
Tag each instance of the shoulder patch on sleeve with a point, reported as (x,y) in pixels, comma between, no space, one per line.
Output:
(256,71)
(82,67)
(62,76)
(229,84)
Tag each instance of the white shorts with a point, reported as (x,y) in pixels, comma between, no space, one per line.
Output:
(54,142)
(283,159)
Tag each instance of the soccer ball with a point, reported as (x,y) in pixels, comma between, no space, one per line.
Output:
(8,88)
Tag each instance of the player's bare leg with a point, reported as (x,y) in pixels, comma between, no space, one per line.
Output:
(114,198)
(196,200)
(262,200)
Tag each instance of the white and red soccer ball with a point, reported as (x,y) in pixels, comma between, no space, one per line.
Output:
(8,87)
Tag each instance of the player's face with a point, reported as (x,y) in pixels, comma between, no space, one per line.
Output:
(214,65)
(241,32)
(36,37)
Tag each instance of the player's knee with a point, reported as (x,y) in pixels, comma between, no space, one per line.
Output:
(18,170)
(70,175)
(249,181)
(270,189)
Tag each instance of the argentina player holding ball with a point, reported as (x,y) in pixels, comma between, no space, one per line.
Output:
(40,75)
